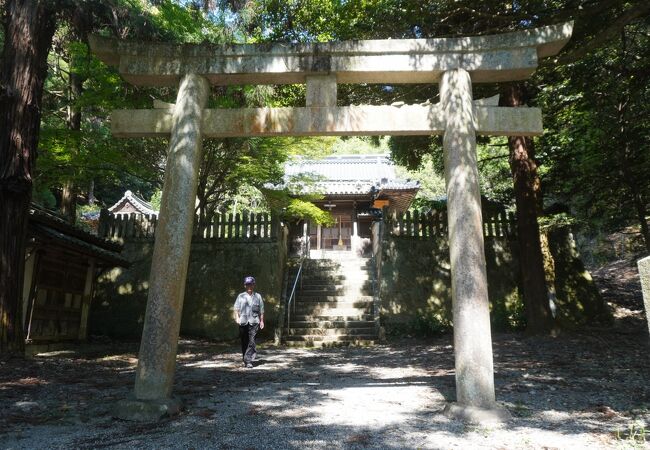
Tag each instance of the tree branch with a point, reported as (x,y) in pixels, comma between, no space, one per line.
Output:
(604,36)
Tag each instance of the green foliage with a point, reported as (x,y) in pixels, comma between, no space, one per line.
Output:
(185,24)
(598,132)
(432,183)
(495,176)
(232,169)
(558,220)
(155,200)
(297,208)
(593,154)
(43,196)
(429,324)
(635,436)
(410,151)
(509,315)
(360,146)
(301,209)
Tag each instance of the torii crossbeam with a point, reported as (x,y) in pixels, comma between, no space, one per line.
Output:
(453,63)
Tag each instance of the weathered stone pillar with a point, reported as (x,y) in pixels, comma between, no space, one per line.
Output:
(157,356)
(471,314)
(644,274)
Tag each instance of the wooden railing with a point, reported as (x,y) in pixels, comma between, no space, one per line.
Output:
(244,226)
(434,223)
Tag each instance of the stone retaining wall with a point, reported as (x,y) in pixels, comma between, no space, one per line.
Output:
(415,282)
(215,277)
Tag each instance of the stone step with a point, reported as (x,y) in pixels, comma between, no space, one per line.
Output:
(323,298)
(334,268)
(366,331)
(307,339)
(332,309)
(333,324)
(336,279)
(321,344)
(317,314)
(326,317)
(350,279)
(339,263)
(338,257)
(328,284)
(353,296)
(348,292)
(354,307)
(360,301)
(334,274)
(310,291)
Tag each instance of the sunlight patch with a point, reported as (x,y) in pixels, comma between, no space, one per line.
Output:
(367,406)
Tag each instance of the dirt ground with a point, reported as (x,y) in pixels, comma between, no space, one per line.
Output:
(582,389)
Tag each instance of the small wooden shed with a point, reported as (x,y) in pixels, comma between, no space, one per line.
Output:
(62,262)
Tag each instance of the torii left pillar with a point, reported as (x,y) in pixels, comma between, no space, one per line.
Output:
(157,356)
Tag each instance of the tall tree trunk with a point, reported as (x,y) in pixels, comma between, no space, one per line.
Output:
(91,192)
(528,199)
(623,145)
(69,194)
(68,201)
(641,211)
(29,26)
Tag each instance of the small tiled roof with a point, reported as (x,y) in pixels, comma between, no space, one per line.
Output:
(47,227)
(138,203)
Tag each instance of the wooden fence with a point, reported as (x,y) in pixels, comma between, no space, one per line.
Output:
(244,226)
(434,223)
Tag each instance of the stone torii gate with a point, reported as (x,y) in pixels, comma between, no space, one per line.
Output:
(454,63)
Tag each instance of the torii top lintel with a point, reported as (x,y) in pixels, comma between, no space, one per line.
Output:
(504,57)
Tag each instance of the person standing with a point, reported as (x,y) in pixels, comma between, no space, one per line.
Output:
(249,314)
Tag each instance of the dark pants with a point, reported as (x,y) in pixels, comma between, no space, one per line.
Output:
(247,335)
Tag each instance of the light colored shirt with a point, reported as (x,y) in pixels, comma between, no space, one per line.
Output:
(249,308)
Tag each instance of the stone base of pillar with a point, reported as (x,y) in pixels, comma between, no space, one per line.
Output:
(146,410)
(476,415)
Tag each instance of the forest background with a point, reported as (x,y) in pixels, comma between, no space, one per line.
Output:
(589,170)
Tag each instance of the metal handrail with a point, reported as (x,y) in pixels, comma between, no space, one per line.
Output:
(304,255)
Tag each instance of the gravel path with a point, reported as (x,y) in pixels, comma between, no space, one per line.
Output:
(585,390)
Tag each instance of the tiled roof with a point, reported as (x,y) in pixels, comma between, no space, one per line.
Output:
(345,167)
(348,174)
(48,225)
(107,257)
(340,187)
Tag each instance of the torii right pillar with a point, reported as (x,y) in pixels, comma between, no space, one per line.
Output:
(475,398)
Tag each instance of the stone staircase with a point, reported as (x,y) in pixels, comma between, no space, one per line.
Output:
(335,305)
